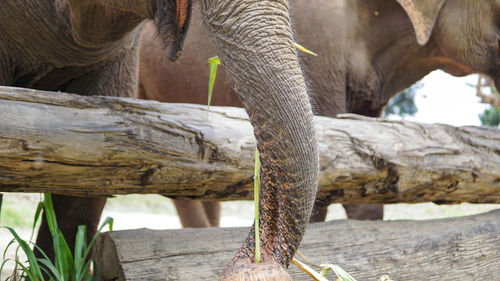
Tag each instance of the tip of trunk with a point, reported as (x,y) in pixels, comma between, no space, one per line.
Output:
(270,271)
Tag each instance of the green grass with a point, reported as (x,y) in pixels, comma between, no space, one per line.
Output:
(213,63)
(66,265)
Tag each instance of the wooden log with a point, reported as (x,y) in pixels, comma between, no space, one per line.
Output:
(100,146)
(466,248)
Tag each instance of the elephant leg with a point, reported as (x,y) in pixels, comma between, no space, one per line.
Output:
(320,207)
(353,211)
(191,213)
(364,211)
(70,212)
(319,211)
(6,71)
(212,210)
(117,78)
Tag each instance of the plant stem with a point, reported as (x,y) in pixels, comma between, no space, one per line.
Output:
(256,196)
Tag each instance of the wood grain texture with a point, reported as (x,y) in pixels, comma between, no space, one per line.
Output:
(100,146)
(466,248)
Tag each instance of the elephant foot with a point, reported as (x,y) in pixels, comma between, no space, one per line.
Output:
(268,271)
(364,211)
(194,213)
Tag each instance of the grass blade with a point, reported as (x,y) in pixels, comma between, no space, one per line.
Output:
(64,259)
(80,245)
(32,261)
(54,272)
(304,49)
(62,252)
(38,214)
(32,276)
(341,274)
(51,269)
(3,265)
(308,270)
(84,270)
(8,246)
(213,63)
(50,214)
(256,200)
(107,221)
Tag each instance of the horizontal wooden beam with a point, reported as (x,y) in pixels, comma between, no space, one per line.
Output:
(466,248)
(100,146)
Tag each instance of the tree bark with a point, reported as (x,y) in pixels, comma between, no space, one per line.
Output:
(100,146)
(466,248)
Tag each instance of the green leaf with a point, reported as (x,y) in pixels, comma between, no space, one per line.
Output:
(107,221)
(31,275)
(64,259)
(3,265)
(307,269)
(82,274)
(341,274)
(38,213)
(41,251)
(256,200)
(34,271)
(50,214)
(80,245)
(304,49)
(51,271)
(213,63)
(6,248)
(62,252)
(214,60)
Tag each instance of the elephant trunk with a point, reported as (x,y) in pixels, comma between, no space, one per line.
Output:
(255,45)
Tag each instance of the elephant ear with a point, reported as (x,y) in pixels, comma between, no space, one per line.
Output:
(423,15)
(173,22)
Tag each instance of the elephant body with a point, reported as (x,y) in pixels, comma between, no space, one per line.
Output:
(368,52)
(44,55)
(41,53)
(91,48)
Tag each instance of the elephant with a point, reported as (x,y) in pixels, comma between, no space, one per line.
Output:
(368,52)
(91,48)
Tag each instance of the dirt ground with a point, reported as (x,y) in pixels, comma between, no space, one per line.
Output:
(157,212)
